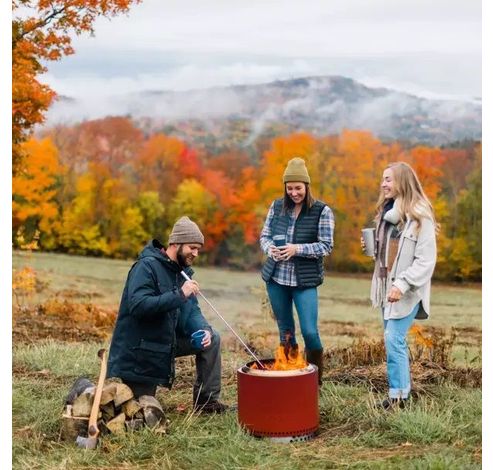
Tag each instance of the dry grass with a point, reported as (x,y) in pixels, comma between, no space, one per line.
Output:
(69,313)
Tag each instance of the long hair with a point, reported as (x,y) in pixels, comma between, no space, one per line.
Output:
(410,198)
(307,202)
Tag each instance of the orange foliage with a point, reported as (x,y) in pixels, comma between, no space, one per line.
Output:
(41,31)
(246,207)
(275,160)
(34,188)
(110,142)
(230,163)
(421,339)
(117,188)
(86,316)
(427,162)
(157,164)
(189,163)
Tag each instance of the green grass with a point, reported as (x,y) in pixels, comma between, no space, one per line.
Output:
(440,430)
(238,294)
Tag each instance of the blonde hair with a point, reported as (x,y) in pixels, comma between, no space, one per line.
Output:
(410,199)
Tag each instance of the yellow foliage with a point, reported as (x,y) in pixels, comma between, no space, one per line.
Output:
(23,284)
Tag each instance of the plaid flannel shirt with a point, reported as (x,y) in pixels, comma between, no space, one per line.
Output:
(285,270)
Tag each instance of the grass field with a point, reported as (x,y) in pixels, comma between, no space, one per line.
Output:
(441,428)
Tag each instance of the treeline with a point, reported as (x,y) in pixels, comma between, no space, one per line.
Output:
(104,188)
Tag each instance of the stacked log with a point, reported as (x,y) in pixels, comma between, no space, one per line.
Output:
(119,411)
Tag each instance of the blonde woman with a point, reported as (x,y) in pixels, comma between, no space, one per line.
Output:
(405,257)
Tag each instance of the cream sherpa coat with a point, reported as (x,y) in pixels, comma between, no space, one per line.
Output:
(411,272)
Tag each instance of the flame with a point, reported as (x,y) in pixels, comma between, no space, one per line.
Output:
(286,358)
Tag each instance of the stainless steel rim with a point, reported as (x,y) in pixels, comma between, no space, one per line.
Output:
(290,439)
(309,369)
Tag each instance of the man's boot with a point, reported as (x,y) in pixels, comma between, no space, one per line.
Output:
(316,357)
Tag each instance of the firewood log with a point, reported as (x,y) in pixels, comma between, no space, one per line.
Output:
(83,403)
(123,394)
(108,411)
(153,411)
(131,407)
(72,427)
(117,424)
(108,395)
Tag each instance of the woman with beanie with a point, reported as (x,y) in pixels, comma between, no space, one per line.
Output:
(405,257)
(297,234)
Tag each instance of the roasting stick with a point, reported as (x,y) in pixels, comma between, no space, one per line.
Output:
(257,360)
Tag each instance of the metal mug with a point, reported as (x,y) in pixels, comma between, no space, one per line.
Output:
(279,240)
(197,338)
(369,239)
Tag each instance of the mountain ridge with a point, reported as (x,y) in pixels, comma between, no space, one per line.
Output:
(319,104)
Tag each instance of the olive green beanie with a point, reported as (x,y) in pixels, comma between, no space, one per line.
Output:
(186,231)
(296,171)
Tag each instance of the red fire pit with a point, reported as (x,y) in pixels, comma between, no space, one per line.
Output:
(282,405)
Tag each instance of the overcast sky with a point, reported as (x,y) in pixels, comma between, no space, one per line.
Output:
(430,48)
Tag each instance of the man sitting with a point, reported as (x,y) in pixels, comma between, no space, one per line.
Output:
(158,314)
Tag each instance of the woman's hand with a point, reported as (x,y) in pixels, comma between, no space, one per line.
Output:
(363,246)
(287,252)
(394,295)
(275,253)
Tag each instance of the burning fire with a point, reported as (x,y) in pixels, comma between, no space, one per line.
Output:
(286,358)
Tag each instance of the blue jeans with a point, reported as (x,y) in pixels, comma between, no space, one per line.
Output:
(306,302)
(398,373)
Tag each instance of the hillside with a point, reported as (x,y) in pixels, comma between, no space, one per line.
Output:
(238,115)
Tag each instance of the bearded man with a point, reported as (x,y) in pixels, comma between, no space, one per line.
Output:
(158,314)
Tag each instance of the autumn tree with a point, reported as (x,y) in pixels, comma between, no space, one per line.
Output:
(111,142)
(248,208)
(152,212)
(103,218)
(41,32)
(350,169)
(157,165)
(196,201)
(231,163)
(34,189)
(460,240)
(80,232)
(276,158)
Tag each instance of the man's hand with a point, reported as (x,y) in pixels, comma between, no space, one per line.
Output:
(190,288)
(287,252)
(206,340)
(394,295)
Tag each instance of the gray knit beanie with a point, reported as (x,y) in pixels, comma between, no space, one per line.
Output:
(296,171)
(186,231)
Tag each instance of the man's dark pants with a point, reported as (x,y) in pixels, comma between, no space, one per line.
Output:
(207,386)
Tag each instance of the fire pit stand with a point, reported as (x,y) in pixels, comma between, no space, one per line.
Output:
(280,405)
